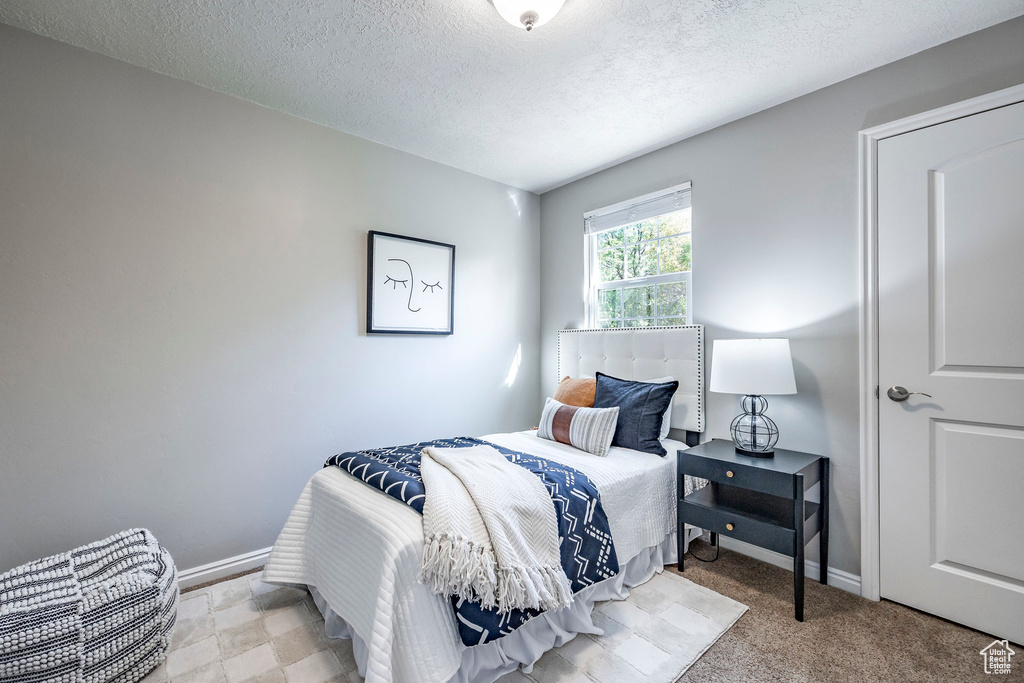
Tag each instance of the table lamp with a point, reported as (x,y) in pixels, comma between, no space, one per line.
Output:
(754,368)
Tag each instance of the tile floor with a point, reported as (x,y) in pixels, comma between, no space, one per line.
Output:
(246,630)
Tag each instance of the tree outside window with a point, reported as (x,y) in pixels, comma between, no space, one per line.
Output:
(640,272)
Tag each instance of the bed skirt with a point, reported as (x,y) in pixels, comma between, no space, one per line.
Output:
(524,646)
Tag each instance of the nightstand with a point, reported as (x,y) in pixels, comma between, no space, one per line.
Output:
(758,501)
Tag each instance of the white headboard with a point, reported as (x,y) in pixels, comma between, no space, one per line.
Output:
(643,353)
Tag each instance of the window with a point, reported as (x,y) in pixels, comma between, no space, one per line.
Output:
(638,261)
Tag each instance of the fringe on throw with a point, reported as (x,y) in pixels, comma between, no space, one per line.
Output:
(453,565)
(540,588)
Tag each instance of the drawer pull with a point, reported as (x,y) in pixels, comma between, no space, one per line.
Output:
(730,527)
(729,474)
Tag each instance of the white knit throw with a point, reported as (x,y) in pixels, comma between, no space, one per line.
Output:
(490,531)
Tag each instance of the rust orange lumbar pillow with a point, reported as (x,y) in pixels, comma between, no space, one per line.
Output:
(576,392)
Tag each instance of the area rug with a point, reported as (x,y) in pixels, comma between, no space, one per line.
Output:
(246,630)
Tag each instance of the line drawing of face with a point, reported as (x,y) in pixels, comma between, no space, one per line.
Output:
(404,283)
(427,287)
(411,286)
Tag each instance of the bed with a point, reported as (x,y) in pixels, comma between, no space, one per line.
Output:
(359,550)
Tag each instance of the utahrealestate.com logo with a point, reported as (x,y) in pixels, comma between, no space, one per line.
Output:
(997,657)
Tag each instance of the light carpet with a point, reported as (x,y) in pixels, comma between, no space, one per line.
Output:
(246,630)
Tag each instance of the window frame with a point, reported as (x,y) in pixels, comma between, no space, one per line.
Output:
(591,252)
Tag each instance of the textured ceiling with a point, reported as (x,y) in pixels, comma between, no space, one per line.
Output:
(449,80)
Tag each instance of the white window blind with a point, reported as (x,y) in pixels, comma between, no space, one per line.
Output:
(639,209)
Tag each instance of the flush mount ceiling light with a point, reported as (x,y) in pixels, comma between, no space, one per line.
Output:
(528,14)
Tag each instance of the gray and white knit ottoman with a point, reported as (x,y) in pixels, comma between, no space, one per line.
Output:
(103,612)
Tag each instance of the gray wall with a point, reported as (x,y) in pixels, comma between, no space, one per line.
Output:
(182,304)
(776,239)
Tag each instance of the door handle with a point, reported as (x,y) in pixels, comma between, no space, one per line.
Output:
(899,394)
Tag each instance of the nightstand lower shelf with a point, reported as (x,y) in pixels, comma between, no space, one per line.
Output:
(757,518)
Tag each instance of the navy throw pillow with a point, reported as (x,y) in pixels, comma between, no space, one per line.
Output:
(641,407)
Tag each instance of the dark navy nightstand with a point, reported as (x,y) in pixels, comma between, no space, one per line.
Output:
(757,500)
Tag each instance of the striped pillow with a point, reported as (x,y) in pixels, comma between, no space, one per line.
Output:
(588,429)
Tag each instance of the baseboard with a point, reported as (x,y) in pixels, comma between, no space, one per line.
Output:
(812,570)
(240,563)
(218,570)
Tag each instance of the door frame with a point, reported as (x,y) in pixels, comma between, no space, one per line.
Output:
(870,560)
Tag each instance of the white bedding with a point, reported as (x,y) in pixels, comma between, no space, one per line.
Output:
(362,551)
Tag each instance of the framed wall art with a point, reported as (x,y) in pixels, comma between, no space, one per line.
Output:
(410,285)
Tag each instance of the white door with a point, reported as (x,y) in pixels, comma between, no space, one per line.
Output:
(951,324)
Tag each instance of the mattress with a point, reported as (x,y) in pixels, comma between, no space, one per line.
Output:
(361,550)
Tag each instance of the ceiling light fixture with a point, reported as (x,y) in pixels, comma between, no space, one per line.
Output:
(528,14)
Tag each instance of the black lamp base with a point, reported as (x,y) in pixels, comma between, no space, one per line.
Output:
(756,454)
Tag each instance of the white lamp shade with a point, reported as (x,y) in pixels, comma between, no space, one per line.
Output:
(512,11)
(752,366)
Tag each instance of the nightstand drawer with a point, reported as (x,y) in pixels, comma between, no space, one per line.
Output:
(734,474)
(743,528)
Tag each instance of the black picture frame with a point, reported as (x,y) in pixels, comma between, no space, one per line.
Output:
(374,325)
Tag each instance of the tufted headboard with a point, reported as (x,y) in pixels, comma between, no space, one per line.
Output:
(643,353)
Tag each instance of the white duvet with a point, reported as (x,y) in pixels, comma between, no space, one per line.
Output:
(362,550)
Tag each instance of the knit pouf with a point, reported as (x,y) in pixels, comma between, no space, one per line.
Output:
(103,612)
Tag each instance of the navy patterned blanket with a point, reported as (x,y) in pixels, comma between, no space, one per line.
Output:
(587,553)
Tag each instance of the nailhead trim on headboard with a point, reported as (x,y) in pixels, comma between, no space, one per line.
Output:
(699,395)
